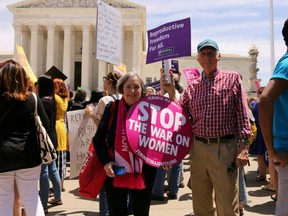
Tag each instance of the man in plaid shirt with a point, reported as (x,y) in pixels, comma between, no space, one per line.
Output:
(216,103)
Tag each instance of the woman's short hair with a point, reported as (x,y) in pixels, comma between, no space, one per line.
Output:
(80,95)
(14,82)
(123,80)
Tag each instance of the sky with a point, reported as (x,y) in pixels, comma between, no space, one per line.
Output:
(236,25)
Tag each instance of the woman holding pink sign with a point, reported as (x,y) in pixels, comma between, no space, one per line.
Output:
(112,145)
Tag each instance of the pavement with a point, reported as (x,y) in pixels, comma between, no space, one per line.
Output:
(259,203)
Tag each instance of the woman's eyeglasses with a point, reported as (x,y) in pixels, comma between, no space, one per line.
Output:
(105,78)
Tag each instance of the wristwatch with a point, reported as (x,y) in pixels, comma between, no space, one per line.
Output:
(245,141)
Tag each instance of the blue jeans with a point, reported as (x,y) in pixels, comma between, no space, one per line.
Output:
(173,181)
(103,205)
(243,196)
(49,170)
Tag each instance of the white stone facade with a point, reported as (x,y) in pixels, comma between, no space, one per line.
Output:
(63,33)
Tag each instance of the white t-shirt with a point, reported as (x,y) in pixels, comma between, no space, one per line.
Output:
(103,102)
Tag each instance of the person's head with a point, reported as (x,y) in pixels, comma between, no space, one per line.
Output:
(45,86)
(110,81)
(132,88)
(208,55)
(285,32)
(150,91)
(80,95)
(60,88)
(96,96)
(14,82)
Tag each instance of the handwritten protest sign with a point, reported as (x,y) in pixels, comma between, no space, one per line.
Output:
(81,131)
(23,61)
(171,40)
(108,43)
(191,74)
(159,131)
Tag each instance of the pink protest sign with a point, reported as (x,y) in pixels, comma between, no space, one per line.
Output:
(159,131)
(191,74)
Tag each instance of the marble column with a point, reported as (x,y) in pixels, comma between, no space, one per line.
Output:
(123,45)
(50,46)
(18,36)
(41,56)
(137,51)
(34,47)
(85,70)
(25,40)
(67,52)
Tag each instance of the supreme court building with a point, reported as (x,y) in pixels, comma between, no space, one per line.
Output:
(63,33)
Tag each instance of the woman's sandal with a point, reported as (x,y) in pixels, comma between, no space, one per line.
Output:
(54,202)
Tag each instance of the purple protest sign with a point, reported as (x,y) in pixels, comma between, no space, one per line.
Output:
(159,131)
(155,85)
(171,40)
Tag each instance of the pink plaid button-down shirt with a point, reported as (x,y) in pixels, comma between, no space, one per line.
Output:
(217,105)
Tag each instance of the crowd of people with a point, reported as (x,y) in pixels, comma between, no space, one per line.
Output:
(226,129)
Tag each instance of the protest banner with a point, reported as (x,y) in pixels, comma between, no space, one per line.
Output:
(108,35)
(171,40)
(155,85)
(23,61)
(81,131)
(191,74)
(159,131)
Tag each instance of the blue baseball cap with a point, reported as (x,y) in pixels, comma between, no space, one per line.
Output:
(207,43)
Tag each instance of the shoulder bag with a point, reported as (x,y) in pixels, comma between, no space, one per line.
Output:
(47,151)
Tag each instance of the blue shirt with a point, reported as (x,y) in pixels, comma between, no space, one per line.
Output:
(280,120)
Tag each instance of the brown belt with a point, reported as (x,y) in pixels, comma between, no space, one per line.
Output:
(215,139)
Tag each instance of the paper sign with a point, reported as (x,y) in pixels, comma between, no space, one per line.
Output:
(108,42)
(159,131)
(167,67)
(120,69)
(171,40)
(191,74)
(23,61)
(81,131)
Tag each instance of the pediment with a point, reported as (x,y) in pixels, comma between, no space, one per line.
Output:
(72,4)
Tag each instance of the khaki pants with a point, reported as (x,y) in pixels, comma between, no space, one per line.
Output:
(213,189)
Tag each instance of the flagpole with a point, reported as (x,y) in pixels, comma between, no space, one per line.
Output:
(272,61)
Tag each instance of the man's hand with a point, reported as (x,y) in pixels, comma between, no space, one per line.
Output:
(242,156)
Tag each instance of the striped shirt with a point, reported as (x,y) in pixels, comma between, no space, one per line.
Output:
(217,105)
